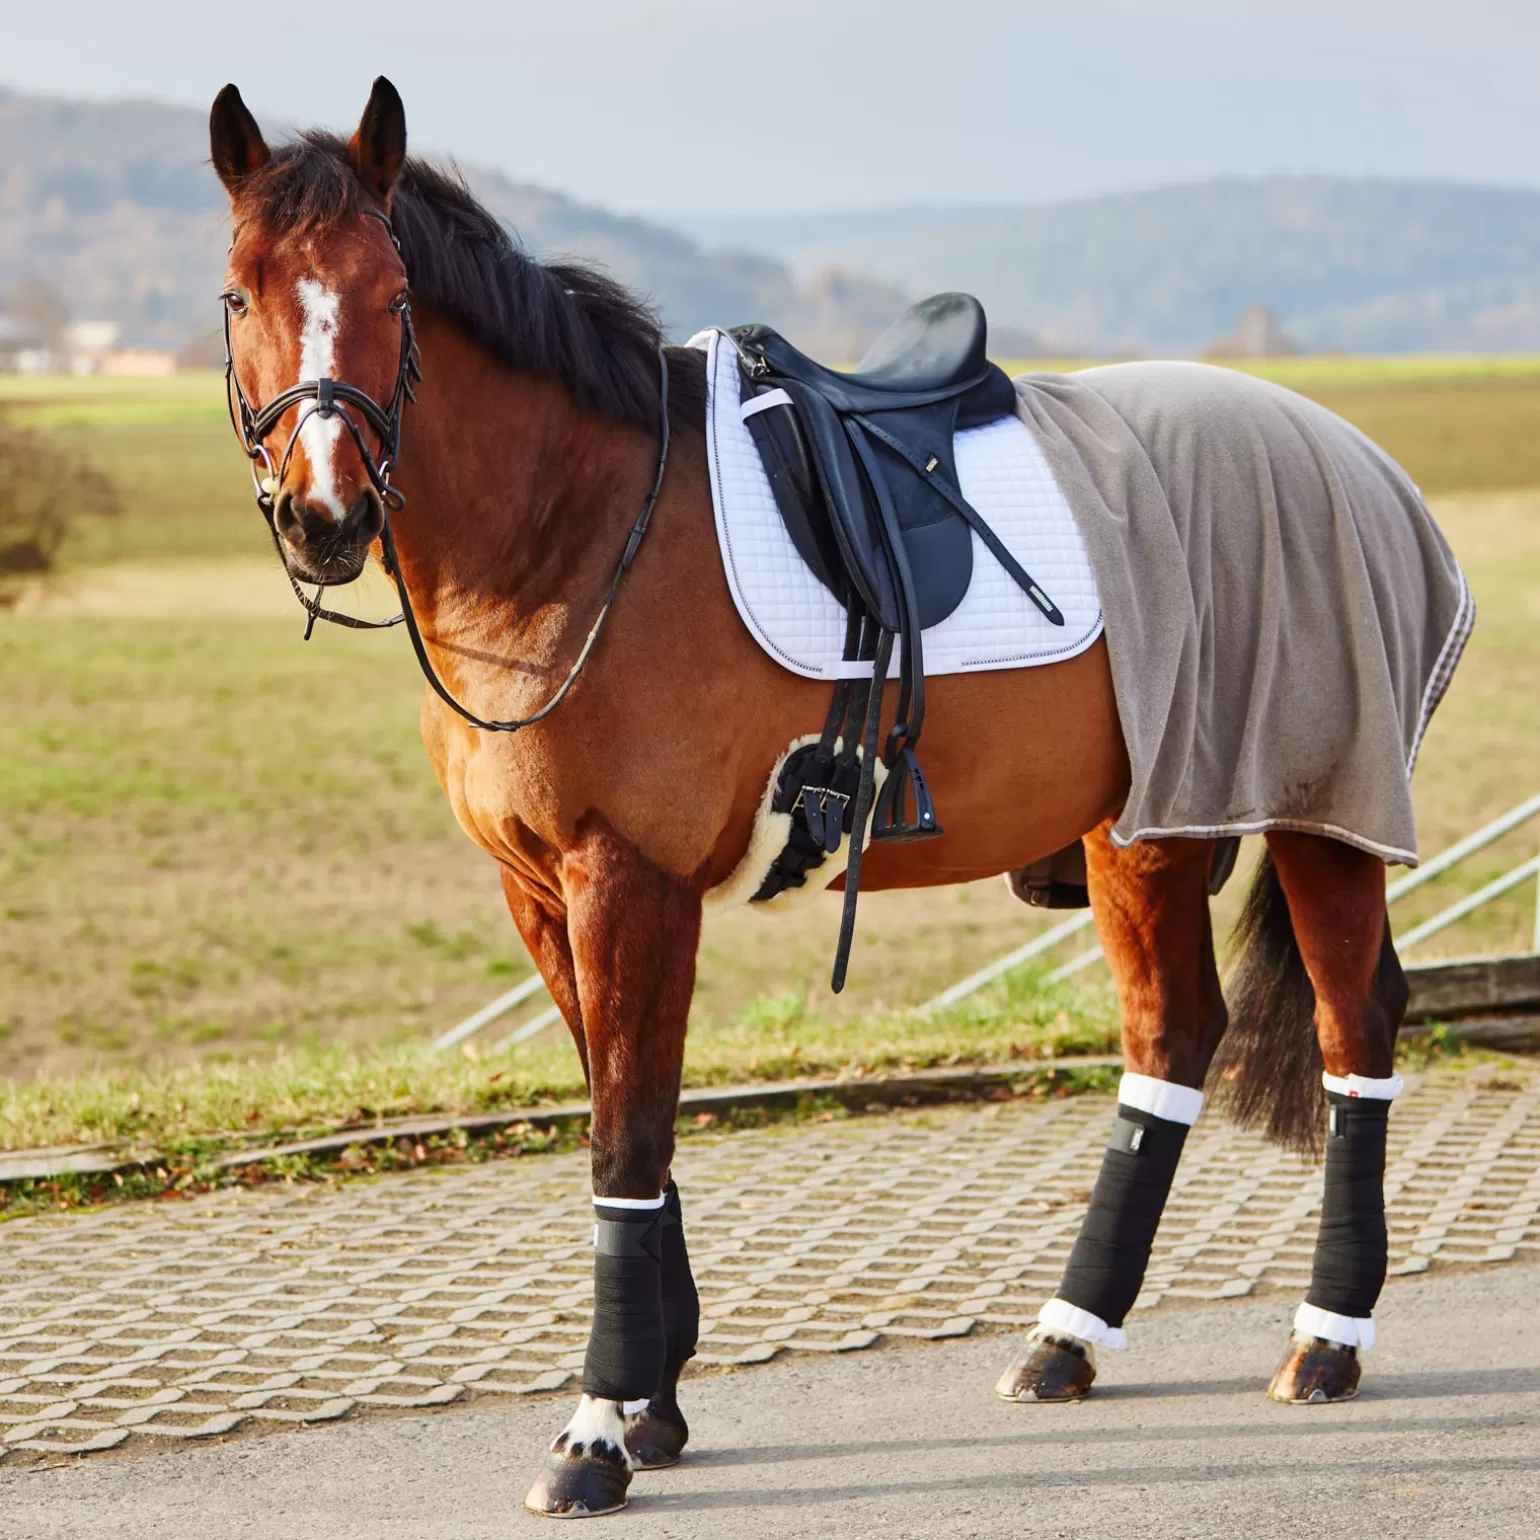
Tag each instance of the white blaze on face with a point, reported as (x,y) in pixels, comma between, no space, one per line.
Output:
(318,360)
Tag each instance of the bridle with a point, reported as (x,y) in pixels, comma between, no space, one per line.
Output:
(329,398)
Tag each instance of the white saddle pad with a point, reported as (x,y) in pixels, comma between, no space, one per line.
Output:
(1003,475)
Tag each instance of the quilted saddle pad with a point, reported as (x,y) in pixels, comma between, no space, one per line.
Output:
(798,621)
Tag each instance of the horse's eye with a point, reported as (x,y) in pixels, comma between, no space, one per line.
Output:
(235,301)
(398,304)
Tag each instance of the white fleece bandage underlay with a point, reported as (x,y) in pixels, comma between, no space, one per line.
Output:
(1060,1315)
(1160,1098)
(1386,1090)
(1349,1331)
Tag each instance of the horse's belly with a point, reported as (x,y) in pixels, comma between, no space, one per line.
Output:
(1020,764)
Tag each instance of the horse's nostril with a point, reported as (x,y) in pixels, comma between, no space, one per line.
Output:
(365,518)
(288,519)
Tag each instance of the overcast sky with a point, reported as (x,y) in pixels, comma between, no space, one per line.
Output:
(663,106)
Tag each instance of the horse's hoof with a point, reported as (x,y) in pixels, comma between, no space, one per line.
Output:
(1049,1367)
(1315,1372)
(654,1440)
(578,1487)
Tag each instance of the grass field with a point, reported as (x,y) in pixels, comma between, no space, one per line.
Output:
(220,848)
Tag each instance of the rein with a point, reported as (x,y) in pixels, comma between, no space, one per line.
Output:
(326,398)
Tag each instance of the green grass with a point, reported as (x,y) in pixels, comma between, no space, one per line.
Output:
(318,1086)
(1307,371)
(1456,424)
(224,863)
(96,401)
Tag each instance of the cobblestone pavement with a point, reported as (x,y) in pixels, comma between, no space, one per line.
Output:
(159,1323)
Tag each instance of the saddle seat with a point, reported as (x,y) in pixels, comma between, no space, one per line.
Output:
(862,464)
(936,346)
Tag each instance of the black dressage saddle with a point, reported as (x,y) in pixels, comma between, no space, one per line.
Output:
(864,475)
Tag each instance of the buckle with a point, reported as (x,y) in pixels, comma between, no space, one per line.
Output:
(814,802)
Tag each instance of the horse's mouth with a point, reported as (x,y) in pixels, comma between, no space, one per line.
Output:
(326,569)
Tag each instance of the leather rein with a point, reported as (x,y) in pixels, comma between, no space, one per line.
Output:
(327,398)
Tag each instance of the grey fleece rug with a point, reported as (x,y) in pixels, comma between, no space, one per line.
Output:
(1282,614)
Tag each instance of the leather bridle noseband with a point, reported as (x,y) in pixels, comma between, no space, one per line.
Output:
(332,398)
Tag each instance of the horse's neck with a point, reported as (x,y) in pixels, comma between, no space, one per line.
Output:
(516,501)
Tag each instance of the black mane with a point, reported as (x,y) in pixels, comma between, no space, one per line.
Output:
(560,320)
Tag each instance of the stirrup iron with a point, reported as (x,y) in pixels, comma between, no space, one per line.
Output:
(888,817)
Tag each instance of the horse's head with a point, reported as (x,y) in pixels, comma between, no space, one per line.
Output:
(316,309)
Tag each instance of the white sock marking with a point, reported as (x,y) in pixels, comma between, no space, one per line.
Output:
(318,360)
(595,1419)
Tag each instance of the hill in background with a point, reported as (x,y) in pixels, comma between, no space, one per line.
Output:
(1358,266)
(116,206)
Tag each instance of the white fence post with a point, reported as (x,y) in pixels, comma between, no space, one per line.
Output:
(1435,867)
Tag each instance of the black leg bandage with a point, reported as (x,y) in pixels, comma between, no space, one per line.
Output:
(1106,1268)
(625,1344)
(681,1304)
(1351,1250)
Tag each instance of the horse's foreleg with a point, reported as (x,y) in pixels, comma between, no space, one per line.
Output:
(1152,915)
(1336,899)
(633,931)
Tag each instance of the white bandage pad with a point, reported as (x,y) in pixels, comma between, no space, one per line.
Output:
(1060,1315)
(1350,1331)
(1003,474)
(1361,1085)
(1160,1098)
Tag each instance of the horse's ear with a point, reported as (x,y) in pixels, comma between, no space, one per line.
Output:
(235,141)
(378,149)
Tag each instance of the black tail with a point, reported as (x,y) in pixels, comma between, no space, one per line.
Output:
(1267,1073)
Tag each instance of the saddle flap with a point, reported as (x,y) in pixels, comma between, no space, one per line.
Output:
(850,503)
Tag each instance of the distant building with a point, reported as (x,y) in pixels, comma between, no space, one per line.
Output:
(140,361)
(1257,335)
(21,349)
(87,343)
(82,347)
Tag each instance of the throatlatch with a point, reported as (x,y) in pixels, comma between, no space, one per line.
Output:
(1107,1265)
(1352,1248)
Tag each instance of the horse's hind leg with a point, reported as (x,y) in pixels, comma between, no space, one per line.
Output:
(631,934)
(1336,901)
(1152,914)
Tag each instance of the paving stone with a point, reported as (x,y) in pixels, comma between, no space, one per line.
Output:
(166,1324)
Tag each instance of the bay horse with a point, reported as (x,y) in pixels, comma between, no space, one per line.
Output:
(551,430)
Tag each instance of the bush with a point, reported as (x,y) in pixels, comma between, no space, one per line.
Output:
(43,490)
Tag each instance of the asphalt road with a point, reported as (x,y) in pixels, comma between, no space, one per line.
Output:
(1178,1441)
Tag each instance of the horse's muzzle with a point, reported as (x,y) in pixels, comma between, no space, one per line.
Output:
(321,549)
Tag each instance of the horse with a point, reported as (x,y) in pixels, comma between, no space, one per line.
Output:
(511,439)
